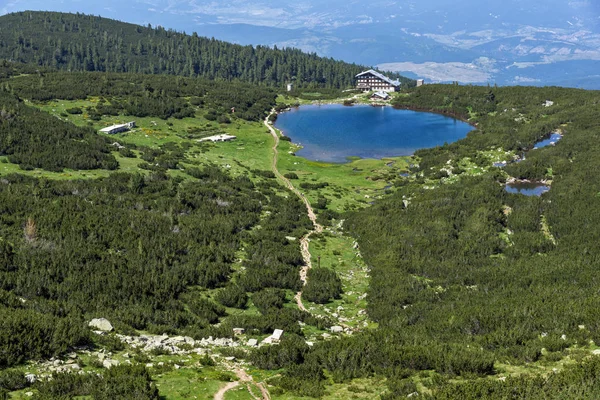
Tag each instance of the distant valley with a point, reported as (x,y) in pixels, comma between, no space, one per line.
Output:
(490,48)
(514,42)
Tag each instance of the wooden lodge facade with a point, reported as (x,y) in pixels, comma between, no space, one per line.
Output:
(372,80)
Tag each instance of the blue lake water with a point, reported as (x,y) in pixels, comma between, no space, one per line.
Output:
(527,188)
(332,133)
(555,137)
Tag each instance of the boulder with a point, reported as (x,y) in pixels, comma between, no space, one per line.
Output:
(252,342)
(101,324)
(110,363)
(336,329)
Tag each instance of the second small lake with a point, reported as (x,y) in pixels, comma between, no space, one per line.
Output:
(527,188)
(555,137)
(333,133)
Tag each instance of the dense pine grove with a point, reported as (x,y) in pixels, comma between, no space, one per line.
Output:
(147,95)
(78,42)
(129,247)
(34,139)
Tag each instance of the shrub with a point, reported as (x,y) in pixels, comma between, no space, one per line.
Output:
(74,110)
(232,296)
(323,285)
(223,119)
(268,299)
(12,379)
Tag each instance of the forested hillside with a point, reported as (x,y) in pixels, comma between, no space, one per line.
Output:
(34,139)
(89,43)
(142,95)
(165,234)
(466,275)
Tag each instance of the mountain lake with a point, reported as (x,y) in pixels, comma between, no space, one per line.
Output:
(335,133)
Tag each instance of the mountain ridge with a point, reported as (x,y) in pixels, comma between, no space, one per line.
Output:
(80,42)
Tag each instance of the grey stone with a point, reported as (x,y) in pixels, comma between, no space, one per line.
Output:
(102,324)
(110,363)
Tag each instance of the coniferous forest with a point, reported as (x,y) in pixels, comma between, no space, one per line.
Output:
(77,42)
(465,279)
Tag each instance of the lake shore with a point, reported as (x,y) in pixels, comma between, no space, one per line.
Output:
(333,132)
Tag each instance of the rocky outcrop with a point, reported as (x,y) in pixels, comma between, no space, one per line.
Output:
(101,324)
(176,344)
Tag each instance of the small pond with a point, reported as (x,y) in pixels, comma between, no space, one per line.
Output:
(527,188)
(555,137)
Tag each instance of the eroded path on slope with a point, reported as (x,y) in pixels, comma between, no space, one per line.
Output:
(244,379)
(317,228)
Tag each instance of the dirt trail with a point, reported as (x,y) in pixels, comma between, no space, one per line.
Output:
(220,395)
(304,242)
(245,379)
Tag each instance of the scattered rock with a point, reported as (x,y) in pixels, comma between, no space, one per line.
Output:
(102,324)
(110,363)
(30,378)
(336,329)
(238,331)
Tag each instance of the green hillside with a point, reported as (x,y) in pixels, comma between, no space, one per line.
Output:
(426,276)
(78,42)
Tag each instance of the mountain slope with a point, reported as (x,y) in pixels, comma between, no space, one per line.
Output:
(78,42)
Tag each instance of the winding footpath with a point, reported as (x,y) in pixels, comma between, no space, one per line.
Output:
(220,395)
(245,379)
(317,228)
(242,375)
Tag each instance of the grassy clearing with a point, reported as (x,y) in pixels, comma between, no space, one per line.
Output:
(339,253)
(189,383)
(352,185)
(251,150)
